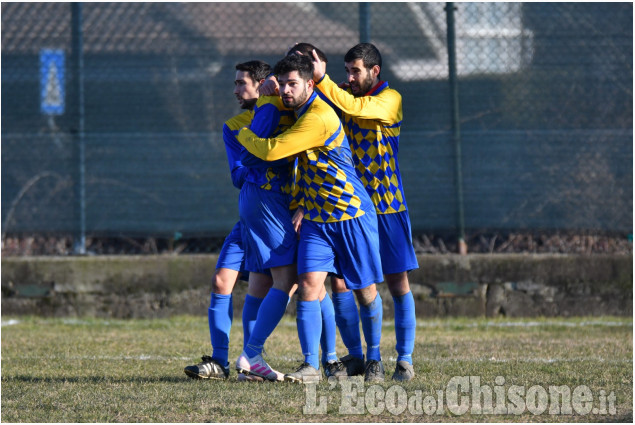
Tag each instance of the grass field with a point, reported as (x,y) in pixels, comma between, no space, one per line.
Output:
(94,370)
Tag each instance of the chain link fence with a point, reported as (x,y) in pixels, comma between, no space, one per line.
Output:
(112,113)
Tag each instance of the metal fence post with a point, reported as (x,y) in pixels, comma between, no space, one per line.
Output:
(77,56)
(456,125)
(364,22)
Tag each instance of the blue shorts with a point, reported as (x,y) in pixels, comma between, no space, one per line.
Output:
(268,236)
(395,243)
(232,254)
(349,249)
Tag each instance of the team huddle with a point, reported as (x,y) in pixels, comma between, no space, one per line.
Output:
(321,197)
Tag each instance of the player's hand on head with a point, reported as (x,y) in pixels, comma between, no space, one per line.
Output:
(269,87)
(319,67)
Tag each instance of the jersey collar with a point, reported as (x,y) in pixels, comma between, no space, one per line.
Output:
(308,103)
(377,89)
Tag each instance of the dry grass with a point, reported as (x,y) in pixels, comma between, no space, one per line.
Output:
(90,370)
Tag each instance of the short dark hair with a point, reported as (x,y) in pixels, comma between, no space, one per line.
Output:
(302,64)
(306,49)
(367,52)
(257,70)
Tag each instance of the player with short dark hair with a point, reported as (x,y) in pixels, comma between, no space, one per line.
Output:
(368,54)
(343,301)
(270,241)
(345,308)
(267,231)
(307,49)
(231,260)
(337,224)
(372,113)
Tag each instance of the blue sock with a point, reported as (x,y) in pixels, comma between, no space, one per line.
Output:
(347,319)
(250,313)
(405,325)
(269,314)
(219,316)
(329,331)
(371,316)
(309,322)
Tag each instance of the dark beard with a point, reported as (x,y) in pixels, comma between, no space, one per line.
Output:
(248,104)
(365,86)
(300,101)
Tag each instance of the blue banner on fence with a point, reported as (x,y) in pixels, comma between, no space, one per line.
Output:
(52,81)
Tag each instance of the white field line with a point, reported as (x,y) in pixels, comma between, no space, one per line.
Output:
(496,324)
(493,324)
(433,360)
(140,357)
(538,360)
(420,323)
(436,360)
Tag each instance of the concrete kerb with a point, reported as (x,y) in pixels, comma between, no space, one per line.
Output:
(512,285)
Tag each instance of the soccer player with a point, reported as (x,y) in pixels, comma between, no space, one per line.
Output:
(337,224)
(231,260)
(345,308)
(270,118)
(270,240)
(372,114)
(343,301)
(249,77)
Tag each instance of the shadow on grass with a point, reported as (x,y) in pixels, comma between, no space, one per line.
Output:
(93,379)
(625,419)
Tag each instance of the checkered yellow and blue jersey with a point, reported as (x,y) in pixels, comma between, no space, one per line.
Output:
(329,187)
(373,125)
(270,118)
(233,148)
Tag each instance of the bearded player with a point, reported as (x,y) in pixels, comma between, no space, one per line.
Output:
(372,113)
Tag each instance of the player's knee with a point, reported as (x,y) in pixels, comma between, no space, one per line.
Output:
(367,295)
(309,290)
(259,284)
(284,285)
(284,277)
(397,283)
(287,287)
(223,282)
(322,293)
(338,285)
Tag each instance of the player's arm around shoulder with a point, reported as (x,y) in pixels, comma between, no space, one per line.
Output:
(325,119)
(266,116)
(384,107)
(308,132)
(273,100)
(232,148)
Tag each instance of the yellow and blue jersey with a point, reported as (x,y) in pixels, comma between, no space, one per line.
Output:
(373,126)
(231,127)
(329,187)
(270,118)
